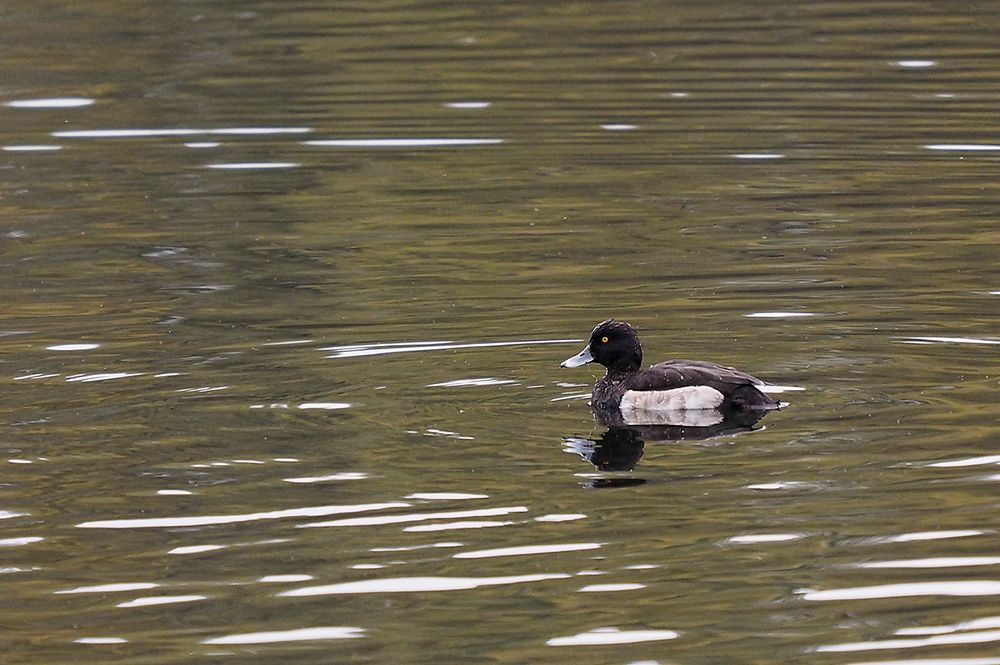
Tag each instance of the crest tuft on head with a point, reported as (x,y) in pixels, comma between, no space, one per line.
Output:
(605,322)
(612,325)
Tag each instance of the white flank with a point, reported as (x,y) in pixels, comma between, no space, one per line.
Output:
(676,399)
(691,406)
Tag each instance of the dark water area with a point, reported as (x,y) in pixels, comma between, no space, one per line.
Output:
(286,287)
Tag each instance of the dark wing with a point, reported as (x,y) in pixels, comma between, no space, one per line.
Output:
(680,373)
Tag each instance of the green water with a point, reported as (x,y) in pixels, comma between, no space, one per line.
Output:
(302,400)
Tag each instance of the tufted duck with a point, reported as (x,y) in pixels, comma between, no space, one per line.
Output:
(675,386)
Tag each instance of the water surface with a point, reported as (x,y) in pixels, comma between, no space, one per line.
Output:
(287,286)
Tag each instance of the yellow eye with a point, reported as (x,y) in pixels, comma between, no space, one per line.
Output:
(604,340)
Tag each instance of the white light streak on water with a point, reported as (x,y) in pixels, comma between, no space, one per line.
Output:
(72,347)
(401,143)
(251,166)
(778,315)
(445,496)
(461,383)
(604,636)
(360,350)
(571,397)
(779,485)
(934,562)
(32,148)
(526,550)
(110,588)
(774,389)
(149,601)
(601,588)
(195,549)
(951,340)
(50,103)
(968,461)
(766,538)
(147,133)
(412,548)
(907,589)
(418,517)
(105,376)
(296,635)
(281,579)
(257,131)
(964,147)
(758,155)
(449,526)
(414,584)
(345,475)
(206,520)
(326,406)
(932,535)
(18,542)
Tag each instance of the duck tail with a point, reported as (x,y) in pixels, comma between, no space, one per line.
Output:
(749,398)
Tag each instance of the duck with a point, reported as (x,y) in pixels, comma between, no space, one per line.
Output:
(667,392)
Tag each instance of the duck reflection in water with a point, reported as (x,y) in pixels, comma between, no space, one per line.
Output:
(622,445)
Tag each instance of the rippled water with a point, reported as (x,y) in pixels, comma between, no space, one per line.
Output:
(286,288)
